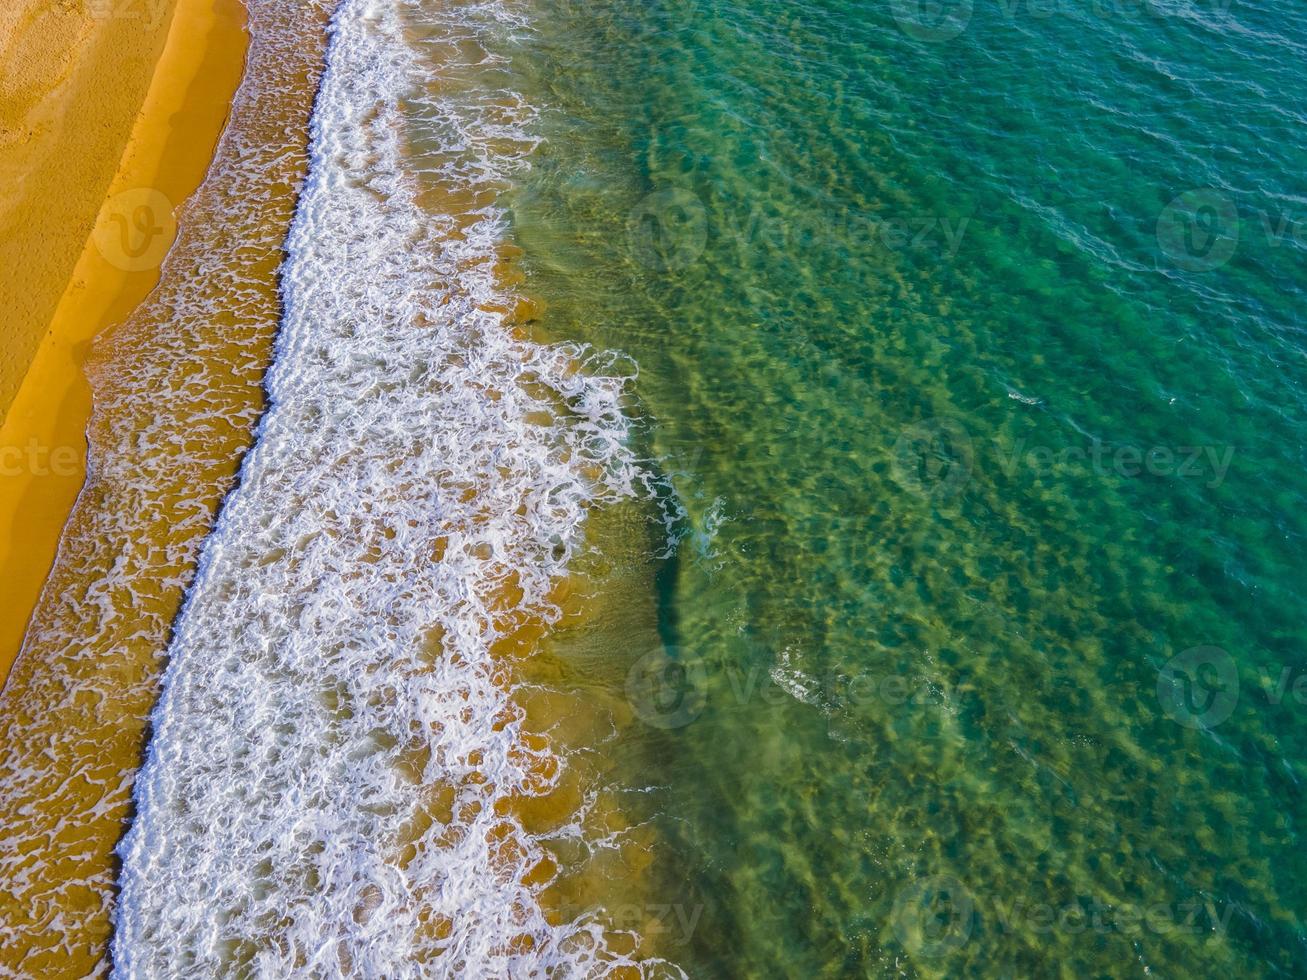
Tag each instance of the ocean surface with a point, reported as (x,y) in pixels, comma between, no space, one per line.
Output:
(762,488)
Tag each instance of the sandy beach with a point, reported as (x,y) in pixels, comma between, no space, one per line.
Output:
(63,131)
(92,173)
(175,355)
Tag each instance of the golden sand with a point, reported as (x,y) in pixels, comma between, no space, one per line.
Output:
(73,77)
(177,389)
(160,158)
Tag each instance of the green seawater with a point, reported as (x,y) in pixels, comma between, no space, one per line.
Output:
(971,340)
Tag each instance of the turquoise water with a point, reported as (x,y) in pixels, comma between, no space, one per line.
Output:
(970,338)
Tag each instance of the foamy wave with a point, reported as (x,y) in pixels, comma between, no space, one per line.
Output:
(327,790)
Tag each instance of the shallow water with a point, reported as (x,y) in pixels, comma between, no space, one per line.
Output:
(346,762)
(974,354)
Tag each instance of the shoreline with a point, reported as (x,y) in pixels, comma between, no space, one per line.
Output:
(178,390)
(388,528)
(43,447)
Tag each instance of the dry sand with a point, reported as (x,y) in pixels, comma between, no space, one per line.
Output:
(109,113)
(73,77)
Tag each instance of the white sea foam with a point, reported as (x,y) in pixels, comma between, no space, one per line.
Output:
(419,482)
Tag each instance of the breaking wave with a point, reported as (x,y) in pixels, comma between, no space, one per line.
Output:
(336,754)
